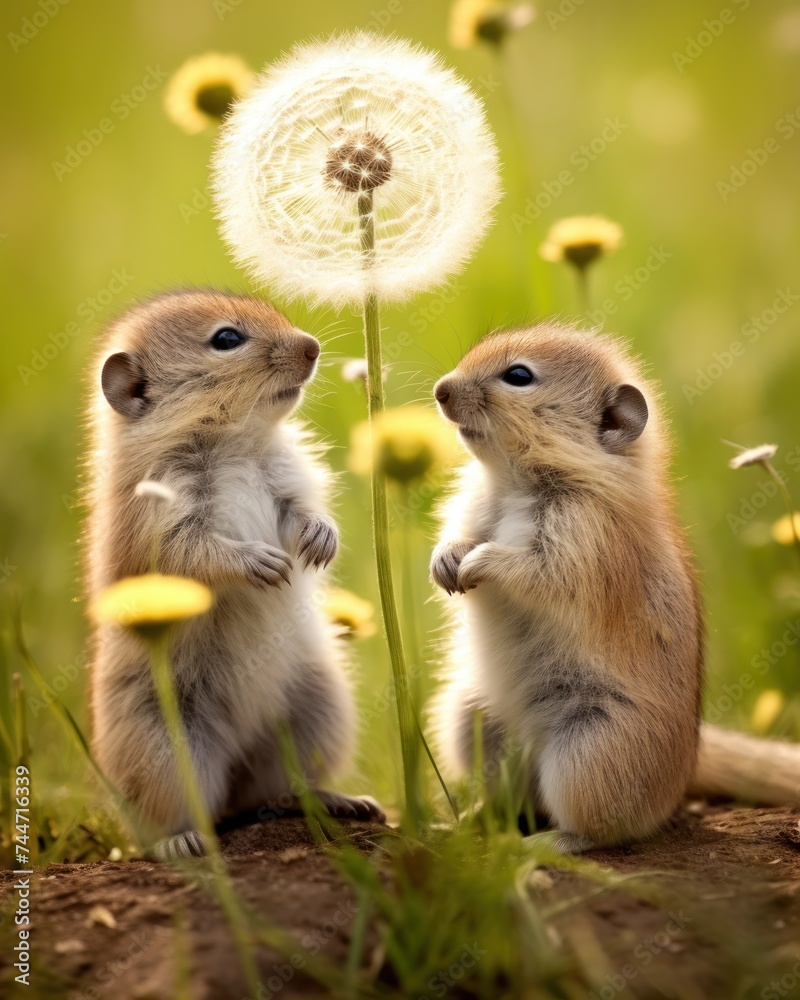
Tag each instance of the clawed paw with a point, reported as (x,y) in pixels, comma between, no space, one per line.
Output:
(189,844)
(319,542)
(268,566)
(352,806)
(473,569)
(446,562)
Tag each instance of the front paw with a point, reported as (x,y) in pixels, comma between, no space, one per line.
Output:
(266,565)
(319,542)
(475,568)
(445,563)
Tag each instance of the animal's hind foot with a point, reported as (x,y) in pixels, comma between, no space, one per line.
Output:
(189,844)
(573,843)
(352,806)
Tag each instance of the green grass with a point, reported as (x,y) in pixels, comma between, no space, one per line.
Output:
(133,219)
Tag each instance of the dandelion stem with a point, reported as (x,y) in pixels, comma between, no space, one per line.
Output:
(583,287)
(380,524)
(219,884)
(787,499)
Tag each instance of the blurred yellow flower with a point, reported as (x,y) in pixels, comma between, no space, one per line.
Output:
(352,613)
(151,600)
(203,90)
(782,529)
(409,442)
(581,239)
(472,21)
(768,707)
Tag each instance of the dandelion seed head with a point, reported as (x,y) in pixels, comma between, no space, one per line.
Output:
(754,456)
(335,119)
(359,164)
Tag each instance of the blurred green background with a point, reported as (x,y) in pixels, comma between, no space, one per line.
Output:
(647,108)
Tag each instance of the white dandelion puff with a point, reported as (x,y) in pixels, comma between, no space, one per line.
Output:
(355,370)
(359,170)
(356,125)
(759,455)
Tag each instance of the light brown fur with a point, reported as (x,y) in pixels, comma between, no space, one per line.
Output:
(249,519)
(580,634)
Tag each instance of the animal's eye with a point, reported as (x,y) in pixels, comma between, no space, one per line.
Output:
(227,338)
(518,375)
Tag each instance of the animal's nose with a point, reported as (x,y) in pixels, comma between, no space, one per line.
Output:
(311,348)
(441,392)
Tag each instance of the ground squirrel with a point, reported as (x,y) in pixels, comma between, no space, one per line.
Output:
(580,635)
(192,390)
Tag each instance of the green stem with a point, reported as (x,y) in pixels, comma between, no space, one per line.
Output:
(787,499)
(583,287)
(220,886)
(380,523)
(536,276)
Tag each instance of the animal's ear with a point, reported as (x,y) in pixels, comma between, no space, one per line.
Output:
(124,385)
(623,419)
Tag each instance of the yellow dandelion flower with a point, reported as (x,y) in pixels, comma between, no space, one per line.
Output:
(782,529)
(204,89)
(151,601)
(409,442)
(581,239)
(769,706)
(354,615)
(472,21)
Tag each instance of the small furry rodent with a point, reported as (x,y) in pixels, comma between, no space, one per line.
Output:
(580,634)
(192,391)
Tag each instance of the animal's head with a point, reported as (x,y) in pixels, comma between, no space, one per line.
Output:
(203,357)
(550,396)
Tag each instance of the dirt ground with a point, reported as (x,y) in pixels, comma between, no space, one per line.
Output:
(110,930)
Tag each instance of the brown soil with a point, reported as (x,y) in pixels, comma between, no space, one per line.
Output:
(736,871)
